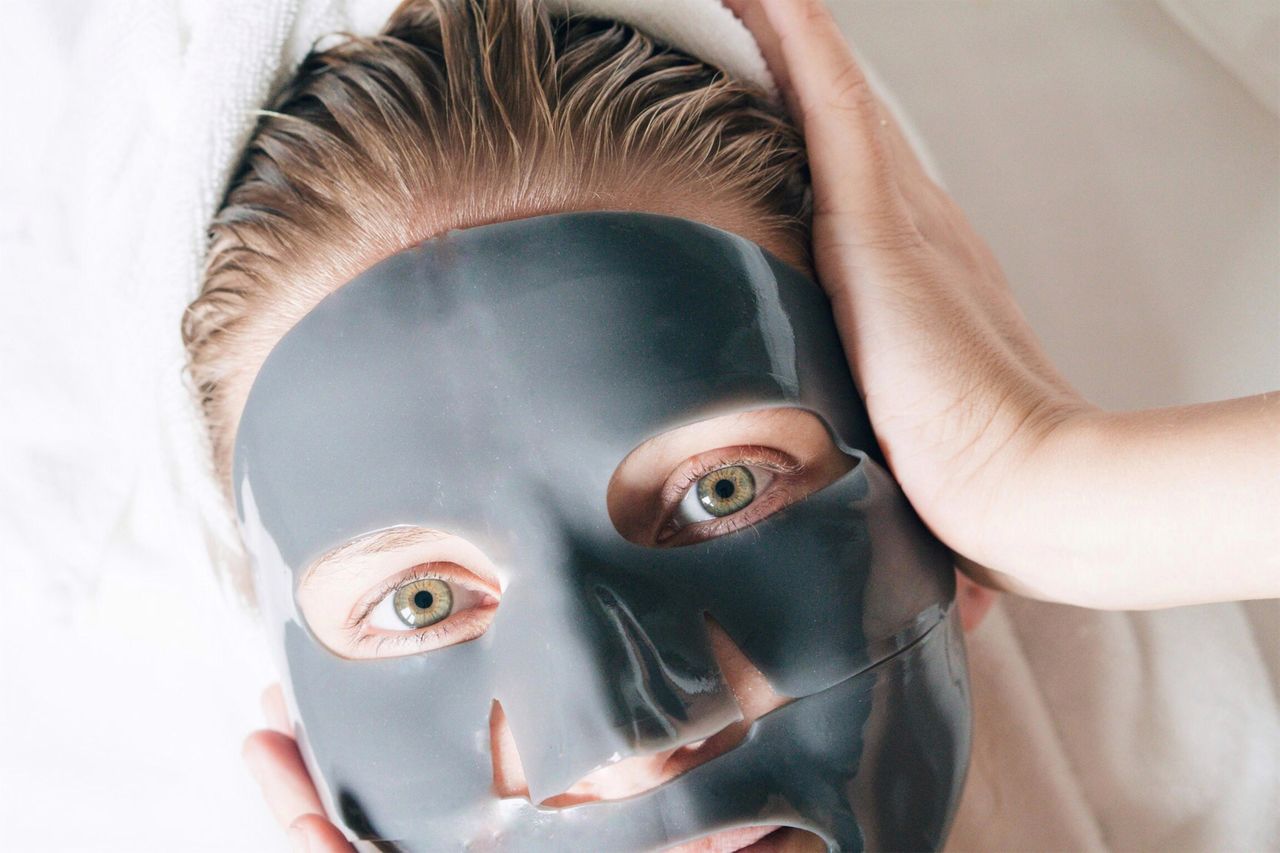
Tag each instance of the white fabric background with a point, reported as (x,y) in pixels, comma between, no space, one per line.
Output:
(1122,158)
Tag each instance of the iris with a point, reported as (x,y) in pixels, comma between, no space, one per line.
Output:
(726,490)
(423,602)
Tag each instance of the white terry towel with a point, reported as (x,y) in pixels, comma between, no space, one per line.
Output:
(1155,743)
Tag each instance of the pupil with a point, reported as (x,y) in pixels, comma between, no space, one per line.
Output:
(422,599)
(724,489)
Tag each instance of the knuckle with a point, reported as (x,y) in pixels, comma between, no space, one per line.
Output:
(893,238)
(885,230)
(850,92)
(896,238)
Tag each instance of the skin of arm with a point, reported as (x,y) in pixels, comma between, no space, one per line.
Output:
(1147,509)
(1037,491)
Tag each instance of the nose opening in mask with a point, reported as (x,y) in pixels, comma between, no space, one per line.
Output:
(620,776)
(615,780)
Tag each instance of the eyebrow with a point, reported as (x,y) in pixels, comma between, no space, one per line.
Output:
(368,545)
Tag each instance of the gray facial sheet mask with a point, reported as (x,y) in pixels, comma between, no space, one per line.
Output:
(488,383)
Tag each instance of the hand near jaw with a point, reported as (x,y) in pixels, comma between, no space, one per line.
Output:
(273,759)
(1001,457)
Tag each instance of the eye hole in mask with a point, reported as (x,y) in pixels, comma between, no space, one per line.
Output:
(670,492)
(360,600)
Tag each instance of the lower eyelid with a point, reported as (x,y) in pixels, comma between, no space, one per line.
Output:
(778,495)
(453,628)
(450,573)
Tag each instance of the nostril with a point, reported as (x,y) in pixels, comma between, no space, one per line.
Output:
(619,777)
(616,780)
(751,697)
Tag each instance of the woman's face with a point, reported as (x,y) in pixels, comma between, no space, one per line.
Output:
(561,532)
(409,590)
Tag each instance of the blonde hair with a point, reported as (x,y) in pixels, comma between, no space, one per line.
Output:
(462,112)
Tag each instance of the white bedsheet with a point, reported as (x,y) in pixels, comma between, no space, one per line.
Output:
(1128,177)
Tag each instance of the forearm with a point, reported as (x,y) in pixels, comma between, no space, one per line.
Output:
(1147,509)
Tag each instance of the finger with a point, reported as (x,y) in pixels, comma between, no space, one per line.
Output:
(753,17)
(313,834)
(906,160)
(277,766)
(918,189)
(849,154)
(273,709)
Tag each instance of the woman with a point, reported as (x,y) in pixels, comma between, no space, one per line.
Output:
(380,144)
(878,192)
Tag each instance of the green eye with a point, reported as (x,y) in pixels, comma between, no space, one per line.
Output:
(726,491)
(423,602)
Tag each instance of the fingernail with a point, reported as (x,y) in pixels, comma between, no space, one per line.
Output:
(299,839)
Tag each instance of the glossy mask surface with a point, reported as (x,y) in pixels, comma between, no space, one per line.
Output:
(488,383)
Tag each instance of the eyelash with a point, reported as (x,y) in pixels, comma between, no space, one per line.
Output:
(439,631)
(775,496)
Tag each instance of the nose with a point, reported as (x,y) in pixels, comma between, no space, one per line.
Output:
(636,774)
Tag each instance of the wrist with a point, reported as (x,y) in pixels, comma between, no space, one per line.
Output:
(1144,509)
(1032,502)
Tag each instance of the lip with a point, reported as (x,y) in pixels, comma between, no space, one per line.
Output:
(726,841)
